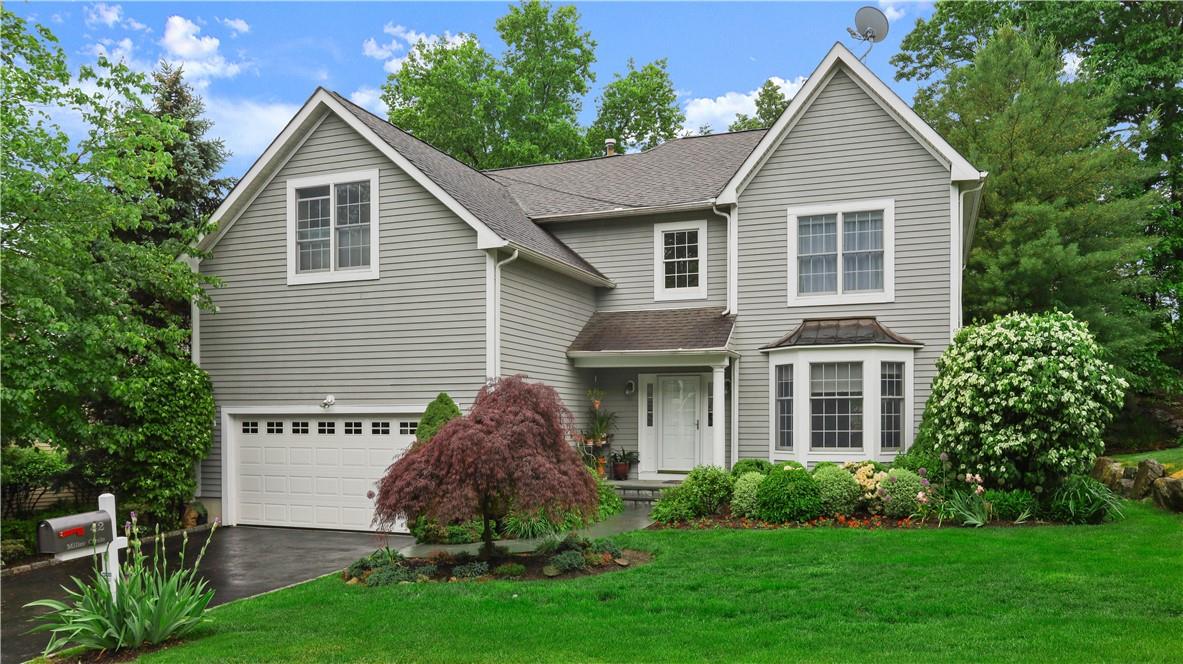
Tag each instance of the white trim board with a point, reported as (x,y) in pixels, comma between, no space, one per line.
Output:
(839,56)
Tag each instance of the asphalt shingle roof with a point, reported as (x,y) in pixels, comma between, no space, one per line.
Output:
(835,331)
(486,199)
(685,170)
(656,329)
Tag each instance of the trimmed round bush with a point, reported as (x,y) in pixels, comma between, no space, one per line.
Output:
(1082,499)
(823,464)
(674,505)
(788,494)
(898,491)
(708,489)
(743,498)
(840,492)
(1022,400)
(788,464)
(1010,505)
(745,466)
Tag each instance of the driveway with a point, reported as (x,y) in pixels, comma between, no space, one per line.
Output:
(241,562)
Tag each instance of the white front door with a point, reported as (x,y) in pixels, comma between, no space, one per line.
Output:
(678,420)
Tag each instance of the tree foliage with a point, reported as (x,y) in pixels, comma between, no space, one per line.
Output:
(1062,218)
(512,449)
(1130,53)
(439,412)
(770,103)
(85,308)
(640,109)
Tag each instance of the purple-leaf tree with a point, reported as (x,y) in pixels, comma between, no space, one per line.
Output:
(511,448)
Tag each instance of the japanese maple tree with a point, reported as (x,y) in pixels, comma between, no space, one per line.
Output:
(511,448)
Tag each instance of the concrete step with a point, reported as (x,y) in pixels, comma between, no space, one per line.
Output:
(640,493)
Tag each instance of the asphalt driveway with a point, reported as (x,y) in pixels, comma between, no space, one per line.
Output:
(241,562)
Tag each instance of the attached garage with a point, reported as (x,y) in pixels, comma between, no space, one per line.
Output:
(309,470)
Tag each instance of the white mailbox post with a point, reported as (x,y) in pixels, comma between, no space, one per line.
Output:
(87,534)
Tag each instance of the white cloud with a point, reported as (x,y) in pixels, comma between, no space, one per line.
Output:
(115,51)
(370,99)
(103,14)
(1071,66)
(237,26)
(718,112)
(402,40)
(196,53)
(58,18)
(892,10)
(132,24)
(247,125)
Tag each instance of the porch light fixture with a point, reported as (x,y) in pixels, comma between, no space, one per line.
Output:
(630,388)
(328,402)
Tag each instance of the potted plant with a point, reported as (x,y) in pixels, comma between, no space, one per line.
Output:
(622,460)
(601,422)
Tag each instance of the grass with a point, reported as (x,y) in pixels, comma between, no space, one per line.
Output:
(1172,458)
(1053,593)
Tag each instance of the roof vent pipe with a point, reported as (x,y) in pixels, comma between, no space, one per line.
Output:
(609,147)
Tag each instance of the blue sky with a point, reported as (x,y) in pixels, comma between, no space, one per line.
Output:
(255,63)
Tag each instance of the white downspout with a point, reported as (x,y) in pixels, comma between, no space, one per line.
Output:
(497,312)
(732,256)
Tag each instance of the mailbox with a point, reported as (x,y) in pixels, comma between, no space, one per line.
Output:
(77,531)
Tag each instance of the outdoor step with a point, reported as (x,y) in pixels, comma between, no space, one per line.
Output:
(640,493)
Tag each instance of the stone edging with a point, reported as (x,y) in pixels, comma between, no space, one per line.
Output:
(50,562)
(1147,480)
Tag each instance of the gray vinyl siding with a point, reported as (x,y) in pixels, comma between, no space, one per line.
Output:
(541,314)
(401,339)
(622,249)
(845,147)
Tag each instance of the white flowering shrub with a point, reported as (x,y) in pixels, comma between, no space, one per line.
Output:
(1022,400)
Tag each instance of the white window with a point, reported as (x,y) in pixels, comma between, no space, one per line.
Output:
(380,428)
(680,260)
(408,428)
(840,403)
(842,254)
(333,227)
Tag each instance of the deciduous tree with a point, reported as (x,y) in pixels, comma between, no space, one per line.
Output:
(640,109)
(770,103)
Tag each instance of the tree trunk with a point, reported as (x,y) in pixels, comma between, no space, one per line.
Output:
(487,549)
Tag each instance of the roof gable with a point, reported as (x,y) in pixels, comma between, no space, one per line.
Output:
(840,58)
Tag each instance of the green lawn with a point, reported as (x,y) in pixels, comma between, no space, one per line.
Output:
(1095,593)
(1172,458)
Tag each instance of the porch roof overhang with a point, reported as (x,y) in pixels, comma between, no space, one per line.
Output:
(654,337)
(840,332)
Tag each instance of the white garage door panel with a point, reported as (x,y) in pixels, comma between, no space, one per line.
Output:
(316,479)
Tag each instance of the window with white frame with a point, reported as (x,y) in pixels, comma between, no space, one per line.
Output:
(891,409)
(679,269)
(784,407)
(836,405)
(842,253)
(333,227)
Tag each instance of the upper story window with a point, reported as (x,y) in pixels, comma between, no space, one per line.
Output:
(333,227)
(842,253)
(680,260)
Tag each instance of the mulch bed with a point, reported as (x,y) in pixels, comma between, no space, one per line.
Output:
(534,564)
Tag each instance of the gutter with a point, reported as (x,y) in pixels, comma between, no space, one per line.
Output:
(560,266)
(624,212)
(968,233)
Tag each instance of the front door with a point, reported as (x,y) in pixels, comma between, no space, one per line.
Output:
(678,422)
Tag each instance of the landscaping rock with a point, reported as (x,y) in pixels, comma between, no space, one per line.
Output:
(1148,471)
(620,561)
(1168,493)
(353,582)
(1128,472)
(1108,472)
(1125,487)
(551,570)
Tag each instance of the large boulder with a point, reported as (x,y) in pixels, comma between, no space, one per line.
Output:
(1108,472)
(1148,471)
(1168,493)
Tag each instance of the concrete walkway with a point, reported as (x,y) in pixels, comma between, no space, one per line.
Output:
(242,561)
(632,518)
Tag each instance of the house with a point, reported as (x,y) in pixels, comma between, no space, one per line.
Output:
(781,294)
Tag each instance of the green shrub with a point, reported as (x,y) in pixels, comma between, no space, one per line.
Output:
(471,570)
(840,492)
(429,531)
(389,575)
(26,474)
(743,498)
(605,546)
(1081,499)
(1023,400)
(788,464)
(517,525)
(13,549)
(898,491)
(915,459)
(1011,505)
(675,504)
(156,603)
(568,561)
(611,503)
(509,570)
(709,489)
(788,494)
(439,412)
(823,464)
(744,466)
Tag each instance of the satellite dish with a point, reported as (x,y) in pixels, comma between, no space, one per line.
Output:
(870,26)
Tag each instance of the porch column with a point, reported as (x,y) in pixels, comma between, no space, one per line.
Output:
(719,447)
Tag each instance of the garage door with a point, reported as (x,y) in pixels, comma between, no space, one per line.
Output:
(315,471)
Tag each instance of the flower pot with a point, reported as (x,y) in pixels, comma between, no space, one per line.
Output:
(620,470)
(601,464)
